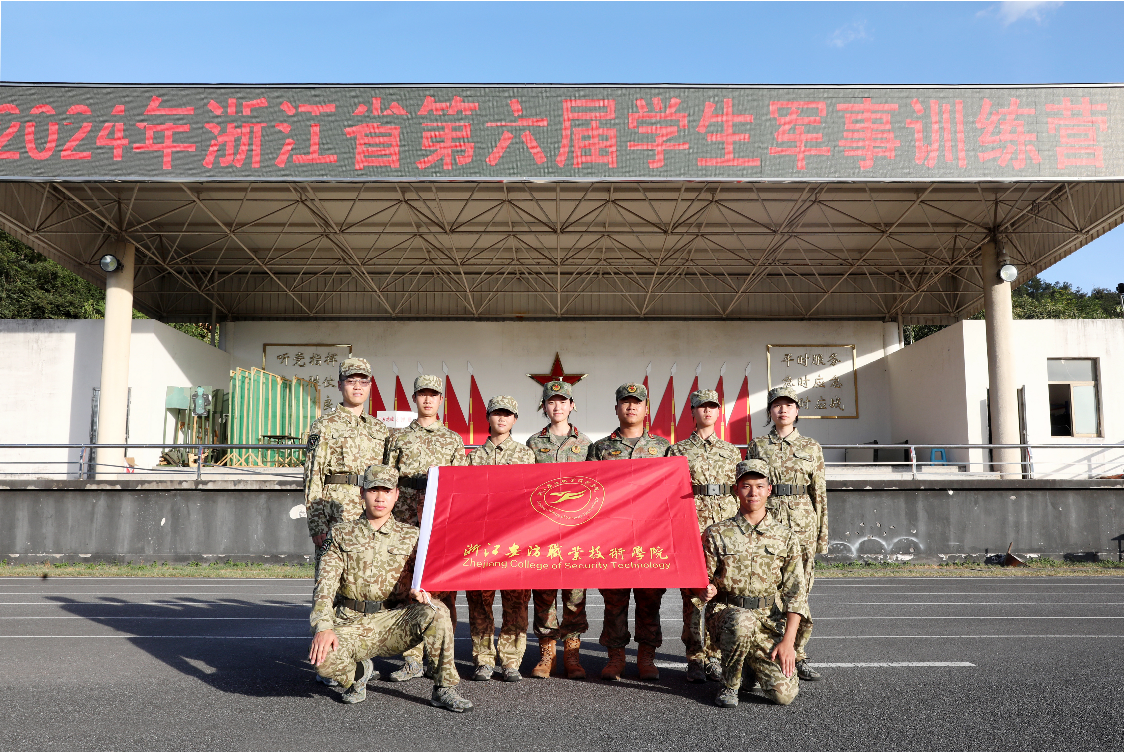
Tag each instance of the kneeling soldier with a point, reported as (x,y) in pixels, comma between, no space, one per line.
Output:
(756,595)
(364,606)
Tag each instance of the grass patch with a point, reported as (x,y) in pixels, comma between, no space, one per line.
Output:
(232,569)
(1042,566)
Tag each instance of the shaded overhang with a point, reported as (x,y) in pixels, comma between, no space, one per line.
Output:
(547,202)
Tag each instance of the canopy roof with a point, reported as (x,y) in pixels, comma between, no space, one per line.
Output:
(526,240)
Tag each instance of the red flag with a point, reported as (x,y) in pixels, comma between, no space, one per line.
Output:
(377,405)
(686,422)
(648,401)
(664,422)
(400,401)
(454,417)
(740,430)
(721,425)
(630,523)
(477,413)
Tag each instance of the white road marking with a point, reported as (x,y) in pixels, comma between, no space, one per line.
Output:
(902,664)
(961,637)
(304,593)
(969,616)
(153,637)
(158,618)
(983,603)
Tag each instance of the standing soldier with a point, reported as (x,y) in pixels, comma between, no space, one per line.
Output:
(364,605)
(559,442)
(712,462)
(423,444)
(341,445)
(631,441)
(499,449)
(757,596)
(799,500)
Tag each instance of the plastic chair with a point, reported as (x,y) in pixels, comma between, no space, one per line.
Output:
(933,457)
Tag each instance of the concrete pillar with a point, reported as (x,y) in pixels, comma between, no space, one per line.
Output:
(1000,363)
(116,336)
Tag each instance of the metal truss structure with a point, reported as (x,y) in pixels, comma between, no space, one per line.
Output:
(559,250)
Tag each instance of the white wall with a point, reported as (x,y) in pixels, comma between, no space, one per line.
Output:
(50,368)
(611,352)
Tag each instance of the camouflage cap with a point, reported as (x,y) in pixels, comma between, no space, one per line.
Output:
(704,397)
(557,389)
(782,391)
(751,466)
(351,366)
(379,476)
(429,382)
(503,402)
(632,390)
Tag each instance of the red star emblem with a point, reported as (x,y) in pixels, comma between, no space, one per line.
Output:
(557,373)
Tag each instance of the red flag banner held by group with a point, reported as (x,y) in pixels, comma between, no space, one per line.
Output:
(629,523)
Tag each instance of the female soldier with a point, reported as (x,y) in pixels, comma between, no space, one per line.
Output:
(797,472)
(559,442)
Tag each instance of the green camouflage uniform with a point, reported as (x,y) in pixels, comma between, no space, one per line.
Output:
(712,461)
(756,561)
(550,448)
(412,451)
(614,632)
(360,563)
(340,442)
(482,625)
(798,460)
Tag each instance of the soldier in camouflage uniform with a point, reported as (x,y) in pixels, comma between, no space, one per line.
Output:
(559,442)
(756,595)
(364,606)
(499,449)
(631,441)
(798,475)
(341,445)
(712,462)
(423,444)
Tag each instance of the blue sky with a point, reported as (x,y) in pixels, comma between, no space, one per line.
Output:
(635,42)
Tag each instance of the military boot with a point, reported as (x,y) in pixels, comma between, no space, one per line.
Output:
(483,673)
(511,674)
(646,663)
(548,654)
(695,672)
(571,657)
(713,669)
(615,667)
(450,699)
(412,670)
(357,692)
(726,698)
(806,672)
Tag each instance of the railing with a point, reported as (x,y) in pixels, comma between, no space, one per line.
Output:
(1067,461)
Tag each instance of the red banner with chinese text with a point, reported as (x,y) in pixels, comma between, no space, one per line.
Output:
(627,523)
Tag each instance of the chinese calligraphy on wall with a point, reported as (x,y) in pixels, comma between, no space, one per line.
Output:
(316,363)
(823,376)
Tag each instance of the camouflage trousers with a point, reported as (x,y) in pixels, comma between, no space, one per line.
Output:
(696,638)
(449,600)
(513,627)
(746,638)
(614,632)
(390,633)
(800,515)
(574,621)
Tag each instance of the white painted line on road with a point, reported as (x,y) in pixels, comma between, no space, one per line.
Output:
(936,593)
(150,603)
(160,618)
(962,637)
(150,637)
(901,664)
(302,594)
(963,580)
(969,616)
(982,603)
(669,664)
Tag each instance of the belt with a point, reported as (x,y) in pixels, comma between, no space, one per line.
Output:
(363,607)
(418,483)
(342,479)
(749,602)
(712,489)
(788,489)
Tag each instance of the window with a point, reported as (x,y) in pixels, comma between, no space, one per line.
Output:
(1074,398)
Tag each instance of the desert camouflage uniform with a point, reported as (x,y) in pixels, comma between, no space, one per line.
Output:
(340,442)
(754,561)
(798,460)
(550,448)
(361,563)
(614,632)
(412,451)
(482,625)
(711,460)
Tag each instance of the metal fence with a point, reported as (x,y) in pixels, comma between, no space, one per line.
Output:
(1074,461)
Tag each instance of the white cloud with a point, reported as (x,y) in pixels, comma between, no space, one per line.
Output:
(852,32)
(1015,10)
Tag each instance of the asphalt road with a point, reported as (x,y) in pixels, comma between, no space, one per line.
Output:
(979,664)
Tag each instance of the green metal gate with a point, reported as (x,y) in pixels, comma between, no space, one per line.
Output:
(266,408)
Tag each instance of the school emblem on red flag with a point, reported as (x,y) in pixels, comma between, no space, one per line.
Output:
(629,523)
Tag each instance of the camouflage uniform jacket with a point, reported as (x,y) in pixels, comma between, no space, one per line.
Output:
(711,460)
(339,442)
(363,564)
(796,460)
(510,452)
(416,448)
(573,449)
(613,447)
(756,561)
